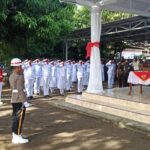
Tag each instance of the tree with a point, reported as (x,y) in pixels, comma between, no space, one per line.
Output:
(82,17)
(32,28)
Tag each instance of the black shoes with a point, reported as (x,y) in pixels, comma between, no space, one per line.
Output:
(46,96)
(30,97)
(79,93)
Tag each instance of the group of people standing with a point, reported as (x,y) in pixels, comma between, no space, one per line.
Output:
(55,74)
(29,76)
(119,71)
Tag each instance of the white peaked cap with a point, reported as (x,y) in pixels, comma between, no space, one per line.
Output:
(16,62)
(36,60)
(45,60)
(51,62)
(26,60)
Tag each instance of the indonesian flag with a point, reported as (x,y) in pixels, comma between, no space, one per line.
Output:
(89,48)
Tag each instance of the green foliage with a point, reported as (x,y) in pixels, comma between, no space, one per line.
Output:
(64,18)
(3,5)
(32,28)
(82,17)
(109,16)
(2,17)
(24,21)
(48,29)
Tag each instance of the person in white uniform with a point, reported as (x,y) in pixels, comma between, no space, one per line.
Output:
(80,74)
(114,72)
(53,81)
(58,63)
(38,76)
(84,75)
(46,75)
(110,73)
(62,78)
(103,70)
(29,76)
(136,64)
(87,72)
(74,72)
(69,74)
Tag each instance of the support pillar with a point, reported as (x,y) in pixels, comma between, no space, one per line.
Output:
(95,81)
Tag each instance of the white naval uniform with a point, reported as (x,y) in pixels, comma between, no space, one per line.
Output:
(103,72)
(84,75)
(46,77)
(110,73)
(61,84)
(80,74)
(57,72)
(53,81)
(29,76)
(38,76)
(74,72)
(114,72)
(69,75)
(87,72)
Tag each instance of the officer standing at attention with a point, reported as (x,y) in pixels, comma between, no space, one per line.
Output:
(18,98)
(111,73)
(80,75)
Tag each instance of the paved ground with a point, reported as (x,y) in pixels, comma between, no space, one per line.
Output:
(51,128)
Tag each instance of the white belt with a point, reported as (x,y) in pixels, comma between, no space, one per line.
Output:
(16,91)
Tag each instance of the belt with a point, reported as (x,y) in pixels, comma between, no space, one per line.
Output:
(16,91)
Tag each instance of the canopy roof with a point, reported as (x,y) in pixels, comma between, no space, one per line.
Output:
(140,7)
(135,28)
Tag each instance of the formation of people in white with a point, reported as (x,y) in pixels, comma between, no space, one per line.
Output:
(54,74)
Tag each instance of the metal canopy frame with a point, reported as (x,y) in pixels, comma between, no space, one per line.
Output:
(135,28)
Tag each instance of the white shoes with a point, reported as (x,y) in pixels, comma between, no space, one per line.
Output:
(1,103)
(26,104)
(18,139)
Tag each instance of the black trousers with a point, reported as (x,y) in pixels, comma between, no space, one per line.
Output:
(18,117)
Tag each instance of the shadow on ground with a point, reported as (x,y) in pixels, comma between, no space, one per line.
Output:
(50,128)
